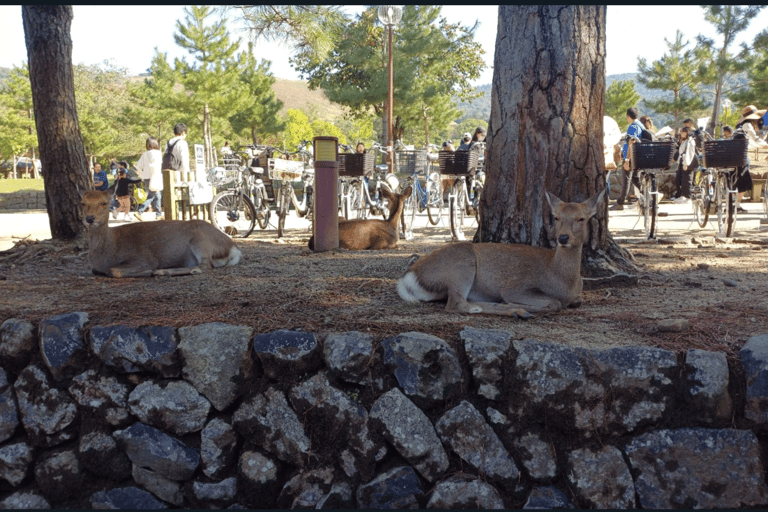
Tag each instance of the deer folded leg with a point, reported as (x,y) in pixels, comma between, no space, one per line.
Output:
(183,271)
(496,308)
(532,302)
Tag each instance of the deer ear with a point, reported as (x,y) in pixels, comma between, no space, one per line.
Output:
(552,200)
(593,201)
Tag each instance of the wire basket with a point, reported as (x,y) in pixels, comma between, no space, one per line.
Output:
(725,153)
(356,164)
(222,177)
(652,155)
(285,170)
(411,161)
(457,163)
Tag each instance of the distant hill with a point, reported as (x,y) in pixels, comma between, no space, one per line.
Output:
(296,94)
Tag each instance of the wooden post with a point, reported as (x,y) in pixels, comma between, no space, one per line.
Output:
(169,195)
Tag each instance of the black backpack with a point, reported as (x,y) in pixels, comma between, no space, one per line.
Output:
(646,135)
(171,158)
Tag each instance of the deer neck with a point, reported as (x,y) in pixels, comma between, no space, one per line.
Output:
(394,216)
(100,239)
(566,262)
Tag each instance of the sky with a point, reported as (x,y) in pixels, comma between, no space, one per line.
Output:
(128,35)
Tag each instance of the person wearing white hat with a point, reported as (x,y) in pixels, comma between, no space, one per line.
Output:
(748,121)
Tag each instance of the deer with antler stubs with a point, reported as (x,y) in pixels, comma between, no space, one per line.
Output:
(507,279)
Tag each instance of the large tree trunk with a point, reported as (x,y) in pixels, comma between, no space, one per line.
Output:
(546,127)
(62,154)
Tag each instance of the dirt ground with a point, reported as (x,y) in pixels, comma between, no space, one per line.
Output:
(721,288)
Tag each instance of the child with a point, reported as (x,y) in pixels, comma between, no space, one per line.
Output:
(123,196)
(687,162)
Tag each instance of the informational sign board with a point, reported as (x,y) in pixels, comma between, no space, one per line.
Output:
(199,158)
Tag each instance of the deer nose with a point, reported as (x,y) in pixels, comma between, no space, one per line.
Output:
(90,219)
(563,239)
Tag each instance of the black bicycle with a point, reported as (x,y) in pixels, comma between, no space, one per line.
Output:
(715,184)
(650,158)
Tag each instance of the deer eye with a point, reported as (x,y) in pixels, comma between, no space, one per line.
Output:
(582,219)
(557,219)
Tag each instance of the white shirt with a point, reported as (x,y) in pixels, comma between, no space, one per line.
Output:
(687,152)
(754,140)
(184,152)
(150,161)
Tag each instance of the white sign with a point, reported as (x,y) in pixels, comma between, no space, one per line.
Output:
(199,157)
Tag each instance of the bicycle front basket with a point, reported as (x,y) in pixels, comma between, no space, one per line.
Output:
(356,164)
(411,161)
(221,177)
(652,155)
(457,163)
(725,153)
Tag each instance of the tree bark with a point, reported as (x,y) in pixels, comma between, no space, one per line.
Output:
(546,127)
(62,154)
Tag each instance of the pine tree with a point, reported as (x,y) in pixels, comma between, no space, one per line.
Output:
(619,96)
(18,135)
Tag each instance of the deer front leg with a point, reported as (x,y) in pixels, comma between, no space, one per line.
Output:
(183,271)
(129,271)
(532,301)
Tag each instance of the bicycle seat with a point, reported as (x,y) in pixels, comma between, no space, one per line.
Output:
(259,171)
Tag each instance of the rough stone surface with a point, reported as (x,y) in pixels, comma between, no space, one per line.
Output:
(218,447)
(397,488)
(754,358)
(164,488)
(537,457)
(602,478)
(48,414)
(175,406)
(465,492)
(17,343)
(464,430)
(25,500)
(698,468)
(487,351)
(102,395)
(151,448)
(306,489)
(547,498)
(708,385)
(217,360)
(9,413)
(426,367)
(126,498)
(350,356)
(287,354)
(143,349)
(269,422)
(62,344)
(339,497)
(58,475)
(226,490)
(259,479)
(98,454)
(15,462)
(408,429)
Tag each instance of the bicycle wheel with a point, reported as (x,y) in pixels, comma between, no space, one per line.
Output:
(344,199)
(283,208)
(434,199)
(134,204)
(726,206)
(359,208)
(261,209)
(701,199)
(476,201)
(648,194)
(409,213)
(456,207)
(233,213)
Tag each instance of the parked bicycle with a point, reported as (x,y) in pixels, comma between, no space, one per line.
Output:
(462,167)
(287,172)
(650,158)
(427,195)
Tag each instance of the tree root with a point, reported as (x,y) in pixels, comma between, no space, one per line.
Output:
(614,267)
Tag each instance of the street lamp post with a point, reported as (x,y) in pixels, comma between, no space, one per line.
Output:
(390,15)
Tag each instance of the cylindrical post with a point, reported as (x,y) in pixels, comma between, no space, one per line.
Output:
(169,194)
(326,206)
(390,102)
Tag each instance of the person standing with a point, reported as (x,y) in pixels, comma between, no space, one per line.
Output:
(149,166)
(635,129)
(748,124)
(687,162)
(123,195)
(178,145)
(226,150)
(100,181)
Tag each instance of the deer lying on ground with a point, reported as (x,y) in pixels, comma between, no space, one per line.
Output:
(362,234)
(164,247)
(507,279)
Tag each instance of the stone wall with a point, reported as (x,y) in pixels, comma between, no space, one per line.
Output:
(27,200)
(217,415)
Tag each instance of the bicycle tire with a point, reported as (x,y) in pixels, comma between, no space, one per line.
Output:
(648,190)
(261,209)
(344,199)
(134,204)
(434,201)
(476,201)
(701,199)
(726,206)
(409,213)
(233,213)
(456,206)
(359,207)
(282,211)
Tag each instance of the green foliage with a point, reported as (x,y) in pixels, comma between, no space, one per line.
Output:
(466,126)
(297,129)
(619,96)
(19,134)
(321,127)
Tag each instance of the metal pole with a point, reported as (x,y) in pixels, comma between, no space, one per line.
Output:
(390,101)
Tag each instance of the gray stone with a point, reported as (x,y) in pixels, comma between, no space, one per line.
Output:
(259,479)
(754,358)
(164,488)
(150,448)
(602,479)
(25,500)
(48,415)
(9,414)
(175,406)
(487,351)
(425,366)
(15,462)
(345,423)
(62,344)
(99,455)
(708,385)
(465,492)
(537,457)
(103,395)
(350,356)
(226,490)
(58,475)
(306,489)
(217,360)
(126,498)
(137,349)
(465,431)
(698,468)
(547,498)
(217,447)
(397,488)
(340,497)
(17,343)
(269,422)
(287,354)
(408,429)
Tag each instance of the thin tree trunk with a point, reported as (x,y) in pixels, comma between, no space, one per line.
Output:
(546,126)
(62,154)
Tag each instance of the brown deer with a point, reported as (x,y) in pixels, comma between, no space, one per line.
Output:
(164,247)
(363,234)
(507,279)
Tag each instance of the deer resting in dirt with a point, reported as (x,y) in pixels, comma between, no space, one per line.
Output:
(507,279)
(164,247)
(362,234)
